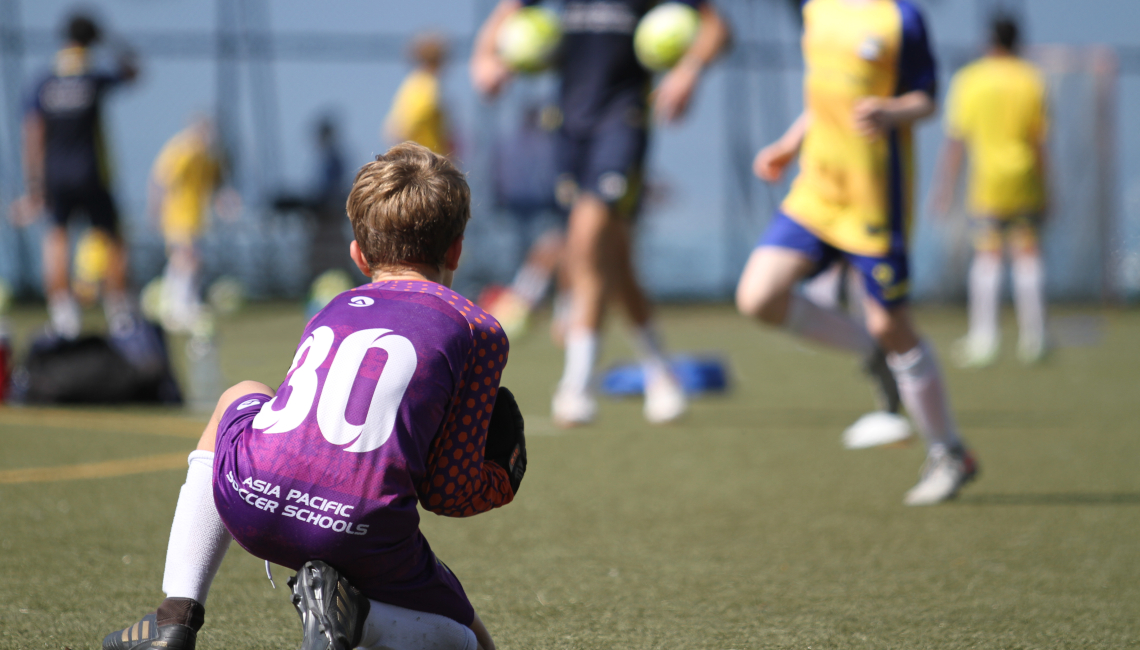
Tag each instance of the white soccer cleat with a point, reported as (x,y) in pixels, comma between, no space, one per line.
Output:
(972,353)
(571,408)
(1031,350)
(664,398)
(943,474)
(877,429)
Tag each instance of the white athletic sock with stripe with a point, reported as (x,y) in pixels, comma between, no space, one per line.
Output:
(198,540)
(924,395)
(1029,297)
(581,355)
(985,299)
(827,326)
(396,628)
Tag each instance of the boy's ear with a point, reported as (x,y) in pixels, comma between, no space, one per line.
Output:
(358,259)
(454,252)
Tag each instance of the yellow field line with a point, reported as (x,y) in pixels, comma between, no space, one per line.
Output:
(92,420)
(105,469)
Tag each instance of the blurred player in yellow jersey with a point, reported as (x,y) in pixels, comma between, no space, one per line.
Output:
(417,112)
(186,176)
(996,113)
(870,76)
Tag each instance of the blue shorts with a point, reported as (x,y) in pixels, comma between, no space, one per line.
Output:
(607,163)
(886,278)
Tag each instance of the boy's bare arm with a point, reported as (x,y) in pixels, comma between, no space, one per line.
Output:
(877,115)
(946,177)
(488,72)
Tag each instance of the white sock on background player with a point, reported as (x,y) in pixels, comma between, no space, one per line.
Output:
(581,355)
(827,326)
(396,628)
(1029,298)
(198,540)
(647,345)
(924,395)
(985,299)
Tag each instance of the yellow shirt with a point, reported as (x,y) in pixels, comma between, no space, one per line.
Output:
(416,113)
(997,108)
(188,173)
(854,192)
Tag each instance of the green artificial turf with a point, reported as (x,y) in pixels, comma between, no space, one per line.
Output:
(747,525)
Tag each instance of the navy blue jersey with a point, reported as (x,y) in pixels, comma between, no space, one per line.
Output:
(70,105)
(601,76)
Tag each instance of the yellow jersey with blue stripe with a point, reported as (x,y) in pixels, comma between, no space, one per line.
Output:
(997,108)
(852,191)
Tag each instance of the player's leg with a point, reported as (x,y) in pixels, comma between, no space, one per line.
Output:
(63,310)
(766,293)
(921,387)
(117,304)
(664,397)
(585,260)
(179,283)
(197,545)
(980,346)
(1028,290)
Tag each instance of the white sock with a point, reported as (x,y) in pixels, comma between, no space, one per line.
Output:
(181,295)
(985,298)
(530,283)
(66,318)
(648,347)
(1029,297)
(581,355)
(395,628)
(924,395)
(198,540)
(826,326)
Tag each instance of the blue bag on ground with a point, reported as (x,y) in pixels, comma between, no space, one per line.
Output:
(696,374)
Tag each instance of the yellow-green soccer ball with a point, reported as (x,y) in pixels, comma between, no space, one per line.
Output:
(528,40)
(665,34)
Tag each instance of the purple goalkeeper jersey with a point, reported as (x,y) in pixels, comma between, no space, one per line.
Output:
(386,403)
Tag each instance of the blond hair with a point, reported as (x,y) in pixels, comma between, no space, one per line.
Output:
(408,207)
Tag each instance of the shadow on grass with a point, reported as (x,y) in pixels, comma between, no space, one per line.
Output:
(1052,499)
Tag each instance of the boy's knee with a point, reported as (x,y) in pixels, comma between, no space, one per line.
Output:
(765,306)
(241,389)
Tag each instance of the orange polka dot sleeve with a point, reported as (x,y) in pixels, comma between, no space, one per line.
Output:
(459,482)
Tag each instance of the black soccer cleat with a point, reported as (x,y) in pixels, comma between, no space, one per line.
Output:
(886,388)
(174,626)
(332,611)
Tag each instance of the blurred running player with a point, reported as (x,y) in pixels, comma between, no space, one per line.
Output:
(605,104)
(186,175)
(66,170)
(393,397)
(996,112)
(870,76)
(417,112)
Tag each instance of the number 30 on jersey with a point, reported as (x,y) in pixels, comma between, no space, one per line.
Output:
(332,398)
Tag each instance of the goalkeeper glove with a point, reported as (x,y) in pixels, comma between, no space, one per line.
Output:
(506,445)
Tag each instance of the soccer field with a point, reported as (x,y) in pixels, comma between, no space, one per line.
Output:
(745,526)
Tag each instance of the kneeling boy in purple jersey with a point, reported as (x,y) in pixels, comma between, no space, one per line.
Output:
(392,398)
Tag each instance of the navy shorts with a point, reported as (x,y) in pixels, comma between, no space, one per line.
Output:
(431,587)
(607,163)
(95,202)
(887,278)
